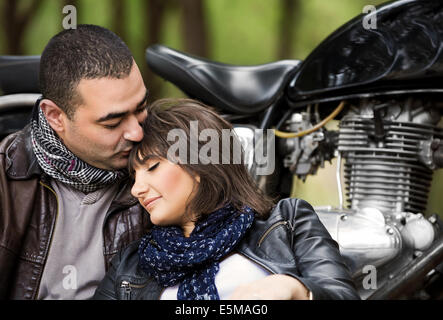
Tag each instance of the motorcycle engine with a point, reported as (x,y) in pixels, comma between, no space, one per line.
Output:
(390,149)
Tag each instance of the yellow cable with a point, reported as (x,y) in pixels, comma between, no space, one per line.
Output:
(287,135)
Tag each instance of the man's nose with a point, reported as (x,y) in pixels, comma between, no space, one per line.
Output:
(134,131)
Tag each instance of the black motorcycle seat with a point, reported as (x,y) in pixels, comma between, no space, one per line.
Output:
(19,74)
(236,89)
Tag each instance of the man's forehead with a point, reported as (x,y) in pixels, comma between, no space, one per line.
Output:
(128,89)
(103,102)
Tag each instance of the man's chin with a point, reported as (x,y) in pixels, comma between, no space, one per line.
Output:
(116,165)
(120,164)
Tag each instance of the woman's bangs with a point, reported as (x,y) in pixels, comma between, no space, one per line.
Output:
(140,154)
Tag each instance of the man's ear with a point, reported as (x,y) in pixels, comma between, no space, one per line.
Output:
(56,117)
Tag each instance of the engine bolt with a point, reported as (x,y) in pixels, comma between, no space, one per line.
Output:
(435,144)
(433,219)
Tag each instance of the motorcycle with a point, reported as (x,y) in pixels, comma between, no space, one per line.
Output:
(384,85)
(18,91)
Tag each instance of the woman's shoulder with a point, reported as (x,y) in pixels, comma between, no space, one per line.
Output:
(290,208)
(127,257)
(289,211)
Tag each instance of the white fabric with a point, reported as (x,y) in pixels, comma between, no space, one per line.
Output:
(235,270)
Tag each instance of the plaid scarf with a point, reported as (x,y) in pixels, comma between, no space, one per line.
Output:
(169,257)
(60,163)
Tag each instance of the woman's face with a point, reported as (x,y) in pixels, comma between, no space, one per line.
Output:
(164,189)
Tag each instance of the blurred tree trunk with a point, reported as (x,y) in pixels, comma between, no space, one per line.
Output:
(193,32)
(194,27)
(72,3)
(155,17)
(15,22)
(289,16)
(119,18)
(156,11)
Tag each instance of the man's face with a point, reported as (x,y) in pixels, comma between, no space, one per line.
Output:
(107,123)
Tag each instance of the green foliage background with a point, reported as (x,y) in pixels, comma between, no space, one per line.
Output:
(239,32)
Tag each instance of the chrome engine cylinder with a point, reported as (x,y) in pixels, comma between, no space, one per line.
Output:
(388,154)
(394,172)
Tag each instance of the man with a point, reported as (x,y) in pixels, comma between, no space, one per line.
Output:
(65,202)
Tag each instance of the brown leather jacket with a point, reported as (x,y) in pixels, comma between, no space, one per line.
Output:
(28,211)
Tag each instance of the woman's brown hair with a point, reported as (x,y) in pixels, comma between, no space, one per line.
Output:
(220,182)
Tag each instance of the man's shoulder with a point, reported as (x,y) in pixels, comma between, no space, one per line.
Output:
(16,137)
(16,155)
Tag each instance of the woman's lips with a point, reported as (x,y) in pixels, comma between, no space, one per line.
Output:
(150,202)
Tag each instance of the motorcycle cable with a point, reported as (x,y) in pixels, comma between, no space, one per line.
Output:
(288,135)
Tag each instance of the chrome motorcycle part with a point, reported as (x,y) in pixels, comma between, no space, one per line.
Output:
(246,135)
(13,101)
(418,231)
(364,237)
(313,144)
(388,174)
(259,153)
(366,241)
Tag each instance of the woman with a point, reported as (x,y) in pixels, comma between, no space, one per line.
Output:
(214,230)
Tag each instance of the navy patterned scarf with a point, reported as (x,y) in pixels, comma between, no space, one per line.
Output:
(171,258)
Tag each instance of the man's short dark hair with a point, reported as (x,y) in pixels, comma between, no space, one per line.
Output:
(88,52)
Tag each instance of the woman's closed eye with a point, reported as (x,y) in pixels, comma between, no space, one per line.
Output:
(151,168)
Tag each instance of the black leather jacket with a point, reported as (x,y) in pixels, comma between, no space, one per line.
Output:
(291,241)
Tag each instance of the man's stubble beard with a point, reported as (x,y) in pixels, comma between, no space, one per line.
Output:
(96,156)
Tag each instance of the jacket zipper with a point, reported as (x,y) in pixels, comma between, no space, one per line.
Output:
(50,236)
(275,225)
(127,286)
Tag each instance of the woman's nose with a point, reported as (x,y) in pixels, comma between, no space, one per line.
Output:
(138,189)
